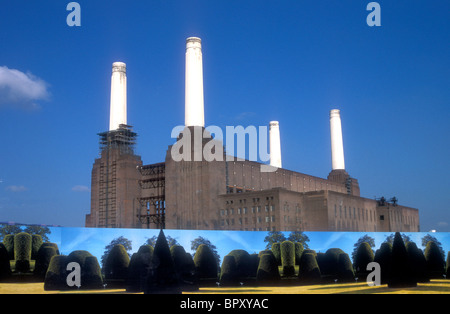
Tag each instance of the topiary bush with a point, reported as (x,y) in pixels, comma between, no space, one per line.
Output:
(43,258)
(229,274)
(287,249)
(383,258)
(309,271)
(91,275)
(36,242)
(254,263)
(185,268)
(116,265)
(22,252)
(329,263)
(138,269)
(5,269)
(8,241)
(400,271)
(418,262)
(55,278)
(267,273)
(447,266)
(205,262)
(298,252)
(243,263)
(276,250)
(162,276)
(345,271)
(435,261)
(47,244)
(364,255)
(57,273)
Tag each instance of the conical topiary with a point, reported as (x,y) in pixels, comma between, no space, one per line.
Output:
(400,276)
(162,276)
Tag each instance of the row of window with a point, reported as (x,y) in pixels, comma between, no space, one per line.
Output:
(240,221)
(357,213)
(244,210)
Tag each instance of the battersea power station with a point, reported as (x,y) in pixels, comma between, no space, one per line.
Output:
(219,191)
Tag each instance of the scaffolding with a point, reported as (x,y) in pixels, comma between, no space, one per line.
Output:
(153,201)
(122,138)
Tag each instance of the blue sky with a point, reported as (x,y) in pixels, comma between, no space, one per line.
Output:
(290,61)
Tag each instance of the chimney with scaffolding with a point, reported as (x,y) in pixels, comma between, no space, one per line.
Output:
(115,187)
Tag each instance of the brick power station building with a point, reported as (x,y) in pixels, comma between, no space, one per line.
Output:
(226,193)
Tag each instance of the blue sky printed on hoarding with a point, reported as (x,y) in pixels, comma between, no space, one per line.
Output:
(94,240)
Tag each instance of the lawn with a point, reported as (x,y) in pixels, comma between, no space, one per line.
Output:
(434,287)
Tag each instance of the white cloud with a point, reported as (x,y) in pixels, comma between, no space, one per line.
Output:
(80,188)
(442,224)
(16,188)
(21,90)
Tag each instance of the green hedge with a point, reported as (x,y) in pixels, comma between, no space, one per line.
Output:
(91,275)
(447,266)
(364,255)
(43,258)
(50,244)
(243,263)
(309,271)
(8,241)
(5,269)
(287,249)
(36,242)
(329,264)
(267,273)
(138,268)
(435,261)
(345,268)
(185,268)
(418,262)
(276,250)
(400,275)
(205,262)
(56,276)
(298,252)
(383,257)
(116,264)
(22,251)
(229,272)
(162,275)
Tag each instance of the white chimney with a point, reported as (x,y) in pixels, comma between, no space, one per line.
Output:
(118,104)
(337,146)
(194,107)
(275,144)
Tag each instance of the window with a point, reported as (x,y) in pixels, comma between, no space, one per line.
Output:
(267,219)
(381,217)
(245,210)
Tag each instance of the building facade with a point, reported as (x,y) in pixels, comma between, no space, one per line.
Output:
(225,193)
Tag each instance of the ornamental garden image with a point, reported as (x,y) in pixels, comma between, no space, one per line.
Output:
(36,259)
